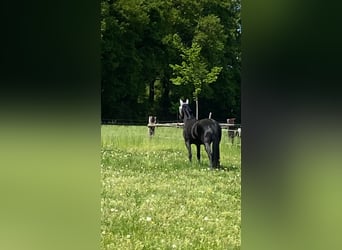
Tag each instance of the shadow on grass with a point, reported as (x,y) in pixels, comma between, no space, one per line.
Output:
(232,168)
(229,168)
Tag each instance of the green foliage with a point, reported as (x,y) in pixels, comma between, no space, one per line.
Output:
(193,69)
(139,45)
(209,33)
(152,197)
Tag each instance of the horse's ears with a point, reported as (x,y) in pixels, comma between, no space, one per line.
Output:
(181,102)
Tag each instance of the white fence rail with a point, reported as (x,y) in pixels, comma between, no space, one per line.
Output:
(232,128)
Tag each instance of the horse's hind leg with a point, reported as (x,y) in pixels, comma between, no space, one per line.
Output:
(208,150)
(188,146)
(198,152)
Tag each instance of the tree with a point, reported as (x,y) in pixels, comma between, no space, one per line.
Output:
(122,27)
(193,69)
(138,47)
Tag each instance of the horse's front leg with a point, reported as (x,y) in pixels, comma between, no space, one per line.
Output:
(208,150)
(198,152)
(188,146)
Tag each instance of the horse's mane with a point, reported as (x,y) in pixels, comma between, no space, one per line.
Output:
(187,110)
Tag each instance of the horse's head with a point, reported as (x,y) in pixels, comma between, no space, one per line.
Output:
(184,109)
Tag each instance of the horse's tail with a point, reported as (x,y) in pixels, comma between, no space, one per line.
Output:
(216,152)
(216,147)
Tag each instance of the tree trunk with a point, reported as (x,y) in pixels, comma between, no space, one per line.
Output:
(196,108)
(151,92)
(164,102)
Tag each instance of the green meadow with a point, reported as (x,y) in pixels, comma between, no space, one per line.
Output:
(153,198)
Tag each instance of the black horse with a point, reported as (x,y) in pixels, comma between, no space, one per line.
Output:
(205,131)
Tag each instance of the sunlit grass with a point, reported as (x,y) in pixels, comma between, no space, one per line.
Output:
(153,198)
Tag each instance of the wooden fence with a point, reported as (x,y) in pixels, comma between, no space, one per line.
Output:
(234,130)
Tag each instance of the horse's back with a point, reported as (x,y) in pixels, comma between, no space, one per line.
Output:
(207,129)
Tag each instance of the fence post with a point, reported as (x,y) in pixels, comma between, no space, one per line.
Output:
(151,125)
(231,132)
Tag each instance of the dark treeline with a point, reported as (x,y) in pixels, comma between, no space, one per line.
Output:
(138,49)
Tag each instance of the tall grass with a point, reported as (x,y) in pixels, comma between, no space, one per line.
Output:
(153,198)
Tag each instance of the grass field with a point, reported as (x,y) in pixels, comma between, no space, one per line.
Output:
(153,198)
